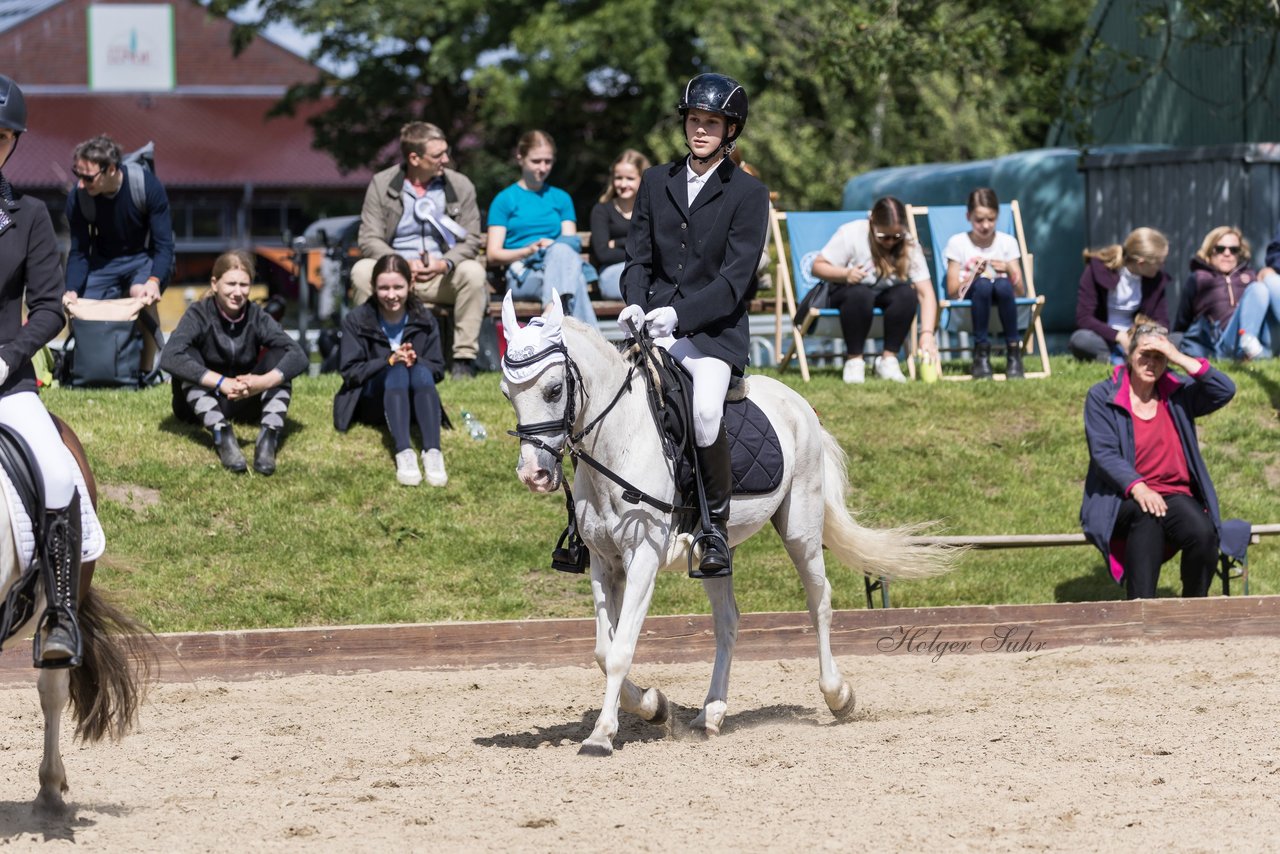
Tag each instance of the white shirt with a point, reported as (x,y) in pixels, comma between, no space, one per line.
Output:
(696,181)
(851,245)
(1124,299)
(961,249)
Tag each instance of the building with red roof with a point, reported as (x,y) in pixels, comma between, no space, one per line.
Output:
(165,72)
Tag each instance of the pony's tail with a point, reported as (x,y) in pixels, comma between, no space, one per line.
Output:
(889,552)
(110,683)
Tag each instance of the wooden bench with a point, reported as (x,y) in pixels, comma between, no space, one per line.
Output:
(1226,572)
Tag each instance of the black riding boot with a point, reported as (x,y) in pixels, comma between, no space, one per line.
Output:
(57,641)
(228,449)
(982,361)
(1013,366)
(264,451)
(715,467)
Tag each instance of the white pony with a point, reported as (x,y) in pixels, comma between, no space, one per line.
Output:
(104,691)
(568,387)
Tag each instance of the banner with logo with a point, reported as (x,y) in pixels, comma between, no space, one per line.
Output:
(131,47)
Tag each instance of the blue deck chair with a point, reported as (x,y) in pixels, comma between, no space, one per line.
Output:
(807,232)
(955,316)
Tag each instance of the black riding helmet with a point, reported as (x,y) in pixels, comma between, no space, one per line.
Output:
(13,107)
(716,93)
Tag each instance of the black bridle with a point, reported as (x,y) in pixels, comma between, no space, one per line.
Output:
(571,445)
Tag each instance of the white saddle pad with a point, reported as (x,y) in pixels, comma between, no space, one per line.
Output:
(93,541)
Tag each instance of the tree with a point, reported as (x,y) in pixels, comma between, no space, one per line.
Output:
(835,88)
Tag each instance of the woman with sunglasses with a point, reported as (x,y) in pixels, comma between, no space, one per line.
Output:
(1227,310)
(876,263)
(1148,494)
(1119,282)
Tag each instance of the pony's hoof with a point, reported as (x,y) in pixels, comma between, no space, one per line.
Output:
(589,748)
(844,704)
(49,803)
(663,713)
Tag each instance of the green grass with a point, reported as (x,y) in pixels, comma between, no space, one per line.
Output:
(332,539)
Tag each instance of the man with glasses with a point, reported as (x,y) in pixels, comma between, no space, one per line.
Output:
(427,213)
(118,247)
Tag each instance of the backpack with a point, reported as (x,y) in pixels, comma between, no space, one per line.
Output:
(106,346)
(144,160)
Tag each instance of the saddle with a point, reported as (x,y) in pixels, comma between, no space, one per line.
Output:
(755,449)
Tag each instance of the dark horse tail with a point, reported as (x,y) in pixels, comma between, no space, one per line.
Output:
(115,666)
(110,683)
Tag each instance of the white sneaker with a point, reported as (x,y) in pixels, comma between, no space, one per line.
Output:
(855,371)
(1250,347)
(887,369)
(407,472)
(433,462)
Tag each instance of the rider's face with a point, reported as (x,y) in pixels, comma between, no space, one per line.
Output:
(704,131)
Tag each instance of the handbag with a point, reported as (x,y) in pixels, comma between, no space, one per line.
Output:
(819,297)
(106,345)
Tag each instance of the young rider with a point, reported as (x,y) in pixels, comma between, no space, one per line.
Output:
(696,236)
(30,262)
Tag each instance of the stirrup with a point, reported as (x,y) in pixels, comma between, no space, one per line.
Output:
(570,553)
(697,571)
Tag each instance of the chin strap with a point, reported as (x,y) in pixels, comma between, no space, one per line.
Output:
(726,147)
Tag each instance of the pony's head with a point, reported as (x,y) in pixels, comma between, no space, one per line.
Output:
(538,380)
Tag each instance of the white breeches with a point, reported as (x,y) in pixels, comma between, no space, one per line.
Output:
(25,415)
(710,384)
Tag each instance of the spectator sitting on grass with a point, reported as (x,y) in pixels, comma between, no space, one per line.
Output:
(231,359)
(1227,310)
(1119,281)
(390,364)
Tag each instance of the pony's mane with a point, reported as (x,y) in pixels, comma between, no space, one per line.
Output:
(589,335)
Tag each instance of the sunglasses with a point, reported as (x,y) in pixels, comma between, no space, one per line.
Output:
(88,179)
(896,236)
(1223,250)
(1150,329)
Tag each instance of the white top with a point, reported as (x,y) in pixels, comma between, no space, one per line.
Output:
(696,181)
(961,249)
(1124,299)
(851,246)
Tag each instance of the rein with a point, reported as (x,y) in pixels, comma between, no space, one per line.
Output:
(532,433)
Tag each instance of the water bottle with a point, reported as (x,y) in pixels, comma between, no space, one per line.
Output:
(475,429)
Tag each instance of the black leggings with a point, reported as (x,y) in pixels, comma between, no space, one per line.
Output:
(1186,527)
(857,303)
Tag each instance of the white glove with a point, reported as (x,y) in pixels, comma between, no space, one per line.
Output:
(629,317)
(661,322)
(4,371)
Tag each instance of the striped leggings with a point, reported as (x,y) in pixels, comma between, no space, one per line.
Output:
(213,410)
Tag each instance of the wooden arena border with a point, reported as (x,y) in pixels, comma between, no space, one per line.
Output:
(1009,629)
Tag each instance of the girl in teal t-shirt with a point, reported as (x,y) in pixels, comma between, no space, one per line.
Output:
(533,230)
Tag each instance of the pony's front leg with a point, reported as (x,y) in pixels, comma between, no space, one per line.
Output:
(619,652)
(724,611)
(55,690)
(607,588)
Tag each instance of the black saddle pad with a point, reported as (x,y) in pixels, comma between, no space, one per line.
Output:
(755,448)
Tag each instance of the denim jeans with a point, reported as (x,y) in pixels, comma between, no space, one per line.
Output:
(982,294)
(1257,314)
(111,279)
(561,271)
(611,281)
